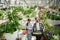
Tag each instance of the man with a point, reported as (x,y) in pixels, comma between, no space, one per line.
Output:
(38,29)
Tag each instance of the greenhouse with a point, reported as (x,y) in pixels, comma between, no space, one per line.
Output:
(29,19)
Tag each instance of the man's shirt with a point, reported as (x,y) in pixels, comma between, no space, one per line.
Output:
(37,26)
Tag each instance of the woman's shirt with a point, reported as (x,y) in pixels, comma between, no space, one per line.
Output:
(29,26)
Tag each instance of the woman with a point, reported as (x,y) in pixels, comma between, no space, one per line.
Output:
(29,28)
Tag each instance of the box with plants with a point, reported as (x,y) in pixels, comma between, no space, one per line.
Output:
(12,24)
(51,31)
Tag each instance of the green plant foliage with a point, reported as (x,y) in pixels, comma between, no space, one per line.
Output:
(1,14)
(33,7)
(53,29)
(53,17)
(50,27)
(13,23)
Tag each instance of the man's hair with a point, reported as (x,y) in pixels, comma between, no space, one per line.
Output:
(35,18)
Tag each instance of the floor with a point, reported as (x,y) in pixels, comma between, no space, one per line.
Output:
(13,36)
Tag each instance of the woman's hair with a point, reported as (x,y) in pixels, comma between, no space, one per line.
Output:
(27,22)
